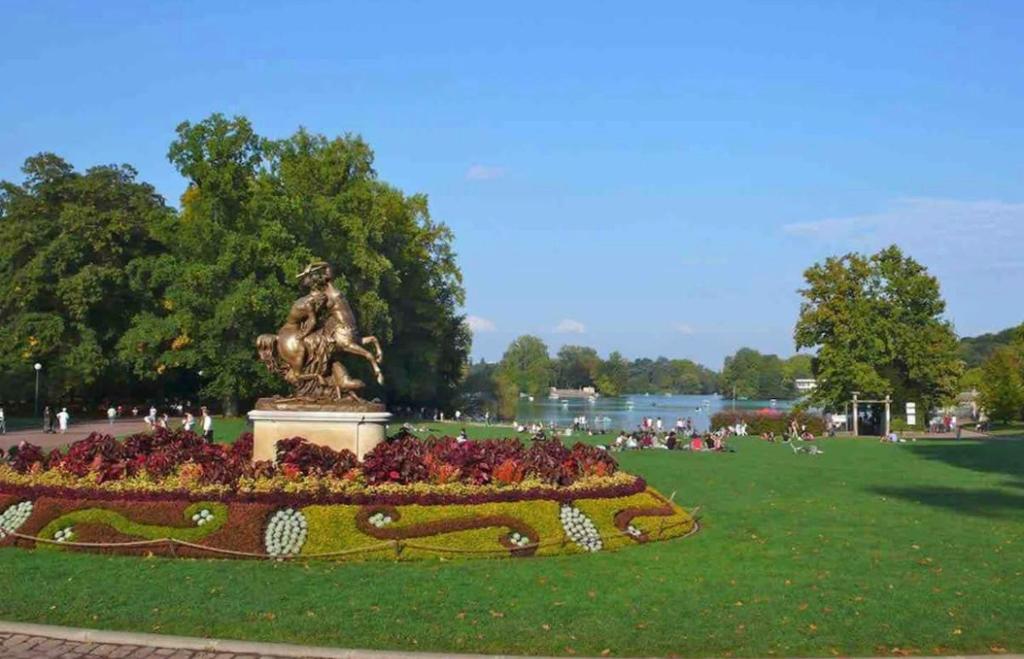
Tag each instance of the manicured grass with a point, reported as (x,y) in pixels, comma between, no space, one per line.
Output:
(867,549)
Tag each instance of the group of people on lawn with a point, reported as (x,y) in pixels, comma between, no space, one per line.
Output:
(672,441)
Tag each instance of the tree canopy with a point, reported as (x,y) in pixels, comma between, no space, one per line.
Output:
(72,246)
(105,283)
(877,322)
(576,366)
(525,367)
(1002,387)
(255,212)
(976,349)
(750,374)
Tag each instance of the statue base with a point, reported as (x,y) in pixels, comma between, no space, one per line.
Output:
(354,425)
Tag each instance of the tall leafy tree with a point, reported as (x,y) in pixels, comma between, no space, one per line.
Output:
(753,375)
(1002,387)
(70,248)
(576,366)
(255,212)
(613,375)
(877,322)
(525,367)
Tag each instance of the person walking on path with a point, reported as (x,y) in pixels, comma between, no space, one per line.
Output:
(62,419)
(47,419)
(3,422)
(207,425)
(189,422)
(111,415)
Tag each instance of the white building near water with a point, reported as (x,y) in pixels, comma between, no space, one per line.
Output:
(803,385)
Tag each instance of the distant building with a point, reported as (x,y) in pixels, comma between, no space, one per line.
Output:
(803,385)
(584,392)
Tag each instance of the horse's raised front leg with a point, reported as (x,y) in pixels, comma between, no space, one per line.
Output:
(354,349)
(372,340)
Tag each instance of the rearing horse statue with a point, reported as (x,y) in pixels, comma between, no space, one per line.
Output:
(319,324)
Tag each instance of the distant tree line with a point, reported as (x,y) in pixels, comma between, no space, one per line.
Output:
(527,367)
(974,350)
(120,296)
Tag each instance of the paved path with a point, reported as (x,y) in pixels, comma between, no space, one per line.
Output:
(28,641)
(75,432)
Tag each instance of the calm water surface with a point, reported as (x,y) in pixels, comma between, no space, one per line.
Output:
(626,412)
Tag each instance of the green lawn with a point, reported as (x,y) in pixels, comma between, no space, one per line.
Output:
(867,549)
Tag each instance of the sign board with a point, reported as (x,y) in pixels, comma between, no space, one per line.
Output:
(911,414)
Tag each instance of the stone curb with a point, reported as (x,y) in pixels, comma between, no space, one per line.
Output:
(78,635)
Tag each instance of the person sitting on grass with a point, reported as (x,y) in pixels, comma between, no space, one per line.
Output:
(893,438)
(670,441)
(463,437)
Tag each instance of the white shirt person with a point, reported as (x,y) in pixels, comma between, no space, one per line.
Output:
(207,425)
(62,419)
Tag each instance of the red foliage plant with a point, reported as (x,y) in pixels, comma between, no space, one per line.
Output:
(509,472)
(299,455)
(403,460)
(22,457)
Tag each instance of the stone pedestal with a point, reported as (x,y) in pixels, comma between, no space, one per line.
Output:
(355,430)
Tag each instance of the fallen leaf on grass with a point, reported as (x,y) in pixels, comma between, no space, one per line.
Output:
(497,614)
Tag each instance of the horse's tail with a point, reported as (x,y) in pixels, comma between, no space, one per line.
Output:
(266,346)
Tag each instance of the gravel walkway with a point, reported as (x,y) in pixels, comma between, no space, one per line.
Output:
(75,432)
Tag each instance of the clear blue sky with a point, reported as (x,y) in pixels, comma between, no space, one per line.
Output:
(651,178)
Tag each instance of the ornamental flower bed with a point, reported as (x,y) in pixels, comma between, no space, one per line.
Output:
(172,493)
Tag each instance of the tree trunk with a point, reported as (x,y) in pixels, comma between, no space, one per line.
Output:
(230,403)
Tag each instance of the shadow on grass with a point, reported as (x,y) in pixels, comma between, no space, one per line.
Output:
(982,503)
(992,456)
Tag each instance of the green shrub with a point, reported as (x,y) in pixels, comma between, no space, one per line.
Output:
(758,424)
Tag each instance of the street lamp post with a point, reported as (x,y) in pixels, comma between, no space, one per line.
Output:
(38,368)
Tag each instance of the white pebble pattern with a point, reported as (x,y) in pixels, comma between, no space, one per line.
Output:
(580,528)
(519,540)
(12,518)
(286,533)
(202,517)
(380,520)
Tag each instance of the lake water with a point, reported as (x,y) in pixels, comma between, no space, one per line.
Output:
(626,412)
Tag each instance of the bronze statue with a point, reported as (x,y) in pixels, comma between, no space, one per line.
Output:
(320,324)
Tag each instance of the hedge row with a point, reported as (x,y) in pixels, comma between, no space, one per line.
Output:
(758,424)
